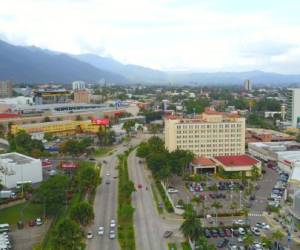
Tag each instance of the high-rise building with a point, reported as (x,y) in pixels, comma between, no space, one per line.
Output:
(248,85)
(293,107)
(82,96)
(6,88)
(210,134)
(78,85)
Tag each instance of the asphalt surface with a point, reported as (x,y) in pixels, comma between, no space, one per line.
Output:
(148,226)
(105,205)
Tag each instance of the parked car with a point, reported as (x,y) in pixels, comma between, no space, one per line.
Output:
(167,234)
(222,243)
(89,235)
(207,233)
(172,190)
(228,232)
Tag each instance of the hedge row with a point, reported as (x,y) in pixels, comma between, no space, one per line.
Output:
(126,234)
(164,197)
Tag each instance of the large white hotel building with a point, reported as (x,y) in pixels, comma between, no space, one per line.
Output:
(210,134)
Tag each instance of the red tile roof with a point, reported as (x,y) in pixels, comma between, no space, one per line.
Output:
(203,161)
(8,115)
(238,160)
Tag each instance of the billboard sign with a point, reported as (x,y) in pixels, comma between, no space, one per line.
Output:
(102,122)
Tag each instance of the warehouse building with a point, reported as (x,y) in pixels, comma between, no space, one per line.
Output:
(286,154)
(16,168)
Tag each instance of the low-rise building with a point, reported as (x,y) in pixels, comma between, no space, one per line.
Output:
(82,96)
(58,127)
(286,153)
(238,163)
(16,168)
(266,135)
(202,165)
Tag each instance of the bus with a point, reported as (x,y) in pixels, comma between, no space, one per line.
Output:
(4,228)
(21,183)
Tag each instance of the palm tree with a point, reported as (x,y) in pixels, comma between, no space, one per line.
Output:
(248,240)
(266,241)
(191,227)
(216,205)
(277,235)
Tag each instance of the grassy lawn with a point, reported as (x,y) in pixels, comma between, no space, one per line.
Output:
(172,246)
(102,151)
(11,215)
(185,246)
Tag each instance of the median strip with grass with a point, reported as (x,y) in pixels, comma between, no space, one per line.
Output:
(126,234)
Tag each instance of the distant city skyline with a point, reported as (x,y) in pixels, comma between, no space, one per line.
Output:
(215,35)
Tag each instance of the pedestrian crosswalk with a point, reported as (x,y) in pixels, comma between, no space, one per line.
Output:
(254,215)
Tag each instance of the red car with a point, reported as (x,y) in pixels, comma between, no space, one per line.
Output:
(31,223)
(140,186)
(227,232)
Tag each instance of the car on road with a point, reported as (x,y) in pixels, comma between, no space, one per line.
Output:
(38,222)
(239,222)
(92,159)
(167,234)
(112,223)
(107,182)
(89,235)
(101,231)
(140,186)
(172,190)
(104,161)
(112,234)
(31,223)
(107,173)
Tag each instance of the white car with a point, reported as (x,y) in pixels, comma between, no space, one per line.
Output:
(107,173)
(112,234)
(255,231)
(89,235)
(172,190)
(241,231)
(101,231)
(112,223)
(38,222)
(239,222)
(265,226)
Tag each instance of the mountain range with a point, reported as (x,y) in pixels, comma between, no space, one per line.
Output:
(35,65)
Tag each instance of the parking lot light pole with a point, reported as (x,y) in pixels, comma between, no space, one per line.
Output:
(240,199)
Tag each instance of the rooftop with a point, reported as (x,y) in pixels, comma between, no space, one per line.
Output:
(16,158)
(236,160)
(204,161)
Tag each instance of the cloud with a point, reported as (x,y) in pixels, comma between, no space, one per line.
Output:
(157,33)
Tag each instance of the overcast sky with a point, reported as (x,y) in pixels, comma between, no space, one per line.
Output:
(205,35)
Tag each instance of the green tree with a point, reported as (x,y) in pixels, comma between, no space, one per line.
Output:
(88,178)
(298,138)
(46,119)
(68,236)
(128,126)
(154,128)
(191,226)
(24,144)
(82,213)
(266,241)
(196,106)
(2,131)
(248,240)
(277,235)
(53,193)
(202,244)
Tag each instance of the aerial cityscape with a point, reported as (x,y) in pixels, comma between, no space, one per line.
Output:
(149,125)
